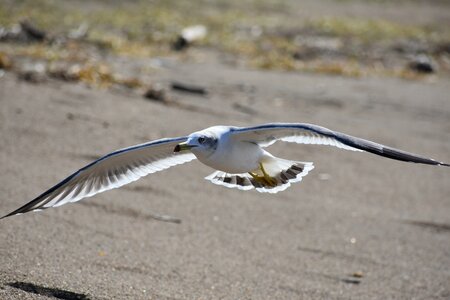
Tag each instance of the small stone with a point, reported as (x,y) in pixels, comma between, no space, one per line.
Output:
(34,73)
(5,61)
(423,64)
(156,93)
(189,35)
(358,274)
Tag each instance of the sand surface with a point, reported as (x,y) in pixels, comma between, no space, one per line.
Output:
(358,227)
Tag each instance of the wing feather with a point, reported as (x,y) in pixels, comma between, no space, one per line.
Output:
(303,133)
(110,171)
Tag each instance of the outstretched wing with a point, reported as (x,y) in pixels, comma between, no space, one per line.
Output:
(111,171)
(303,133)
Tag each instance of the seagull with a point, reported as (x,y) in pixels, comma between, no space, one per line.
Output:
(236,153)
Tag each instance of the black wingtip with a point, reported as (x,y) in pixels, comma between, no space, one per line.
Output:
(8,215)
(17,211)
(21,210)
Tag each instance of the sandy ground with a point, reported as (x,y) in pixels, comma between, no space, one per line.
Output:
(358,227)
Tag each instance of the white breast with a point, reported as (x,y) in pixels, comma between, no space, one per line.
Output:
(234,157)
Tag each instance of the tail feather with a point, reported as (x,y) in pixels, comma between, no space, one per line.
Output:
(284,173)
(239,181)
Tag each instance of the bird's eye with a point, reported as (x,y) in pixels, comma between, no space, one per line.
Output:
(201,140)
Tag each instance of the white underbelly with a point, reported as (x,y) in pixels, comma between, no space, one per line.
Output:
(241,157)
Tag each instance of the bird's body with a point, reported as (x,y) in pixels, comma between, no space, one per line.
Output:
(230,157)
(236,153)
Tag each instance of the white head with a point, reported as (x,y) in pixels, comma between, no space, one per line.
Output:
(202,143)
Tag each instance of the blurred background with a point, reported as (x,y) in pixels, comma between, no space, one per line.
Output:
(82,40)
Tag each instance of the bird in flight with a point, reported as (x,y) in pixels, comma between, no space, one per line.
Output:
(236,153)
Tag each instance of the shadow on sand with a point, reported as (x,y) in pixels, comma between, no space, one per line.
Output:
(46,291)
